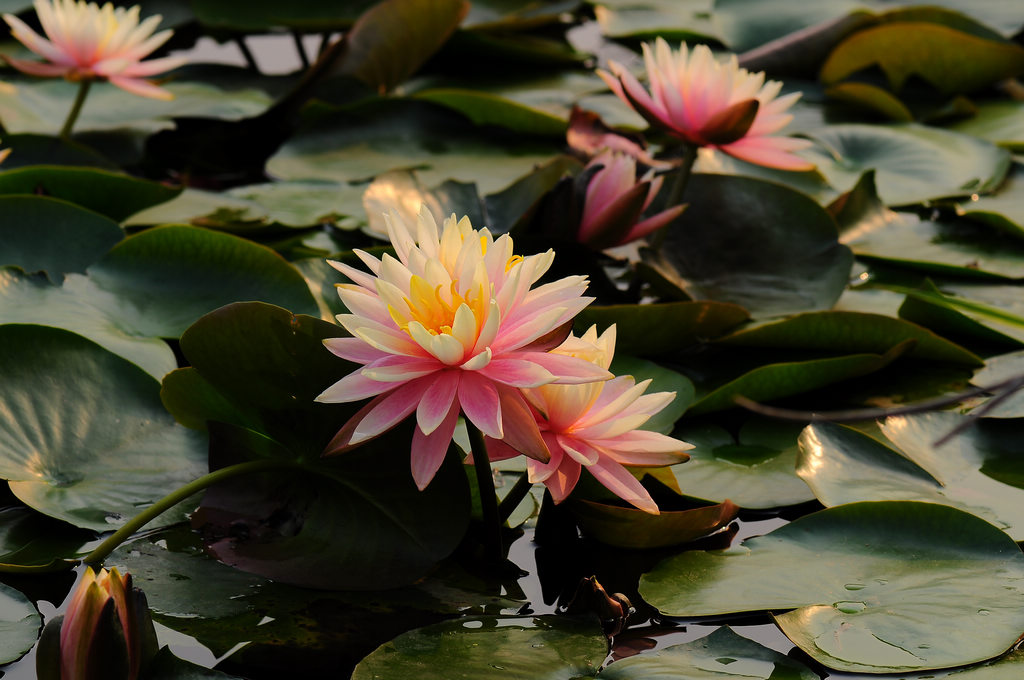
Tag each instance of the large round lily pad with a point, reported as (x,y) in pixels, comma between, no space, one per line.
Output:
(979,471)
(722,655)
(83,435)
(482,648)
(878,587)
(19,624)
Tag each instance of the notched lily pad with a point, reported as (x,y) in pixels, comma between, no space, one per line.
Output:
(878,587)
(19,624)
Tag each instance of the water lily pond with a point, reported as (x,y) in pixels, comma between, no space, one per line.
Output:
(477,339)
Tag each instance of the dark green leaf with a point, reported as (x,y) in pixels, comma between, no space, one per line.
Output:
(662,329)
(635,529)
(31,542)
(19,624)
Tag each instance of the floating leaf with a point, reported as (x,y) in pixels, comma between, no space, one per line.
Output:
(636,529)
(670,19)
(754,469)
(80,307)
(879,587)
(19,624)
(950,60)
(62,237)
(657,329)
(108,193)
(849,332)
(966,315)
(978,472)
(475,648)
(771,249)
(1004,210)
(722,655)
(996,370)
(172,275)
(97,459)
(31,542)
(999,122)
(913,163)
(746,24)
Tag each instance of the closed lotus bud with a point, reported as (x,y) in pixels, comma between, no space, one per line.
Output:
(615,200)
(106,632)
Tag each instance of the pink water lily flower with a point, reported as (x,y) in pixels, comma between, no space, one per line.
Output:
(452,325)
(709,103)
(614,201)
(85,41)
(595,427)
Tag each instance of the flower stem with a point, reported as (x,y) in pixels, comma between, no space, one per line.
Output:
(514,497)
(83,90)
(675,193)
(493,549)
(108,546)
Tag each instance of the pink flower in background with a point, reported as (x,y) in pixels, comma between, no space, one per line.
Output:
(614,201)
(87,41)
(594,426)
(709,103)
(452,325)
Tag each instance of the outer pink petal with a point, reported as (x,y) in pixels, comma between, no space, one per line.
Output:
(145,69)
(38,68)
(342,440)
(517,373)
(354,350)
(644,441)
(399,368)
(437,402)
(569,370)
(142,88)
(428,450)
(653,223)
(563,480)
(619,481)
(764,151)
(479,399)
(496,450)
(391,410)
(353,387)
(520,426)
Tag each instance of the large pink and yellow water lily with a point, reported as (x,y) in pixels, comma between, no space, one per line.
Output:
(614,201)
(85,41)
(709,103)
(452,324)
(595,427)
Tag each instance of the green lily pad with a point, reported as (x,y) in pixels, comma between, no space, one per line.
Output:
(996,370)
(40,106)
(849,332)
(842,465)
(19,624)
(108,193)
(62,238)
(945,313)
(950,248)
(635,529)
(950,60)
(1003,210)
(754,469)
(745,24)
(475,648)
(166,666)
(670,19)
(80,307)
(94,460)
(487,109)
(1006,667)
(172,275)
(352,145)
(772,250)
(774,381)
(880,587)
(31,542)
(999,122)
(722,655)
(871,98)
(913,163)
(662,328)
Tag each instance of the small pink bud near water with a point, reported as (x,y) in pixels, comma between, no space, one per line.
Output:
(106,632)
(615,200)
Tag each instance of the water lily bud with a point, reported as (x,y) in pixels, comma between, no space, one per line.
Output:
(106,632)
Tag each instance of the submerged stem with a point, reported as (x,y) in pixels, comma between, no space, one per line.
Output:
(83,90)
(170,500)
(681,176)
(493,549)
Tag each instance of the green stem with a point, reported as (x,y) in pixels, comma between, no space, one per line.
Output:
(83,90)
(675,192)
(514,497)
(170,500)
(493,549)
